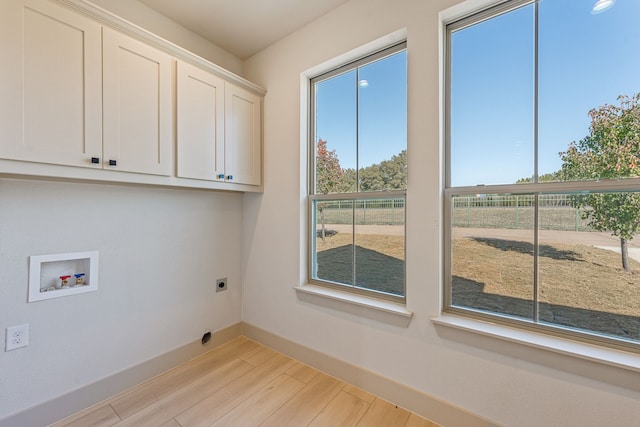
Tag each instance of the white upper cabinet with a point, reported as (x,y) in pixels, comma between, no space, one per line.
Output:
(219,129)
(243,136)
(137,104)
(50,84)
(85,95)
(200,121)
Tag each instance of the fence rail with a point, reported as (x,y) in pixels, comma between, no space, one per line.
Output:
(555,212)
(362,212)
(492,211)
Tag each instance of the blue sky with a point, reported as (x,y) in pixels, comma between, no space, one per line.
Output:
(585,61)
(382,109)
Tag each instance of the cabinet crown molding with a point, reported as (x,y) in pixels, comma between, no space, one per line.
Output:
(105,17)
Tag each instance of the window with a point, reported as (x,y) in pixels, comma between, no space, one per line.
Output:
(542,186)
(358,180)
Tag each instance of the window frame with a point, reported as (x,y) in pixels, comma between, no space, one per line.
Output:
(535,188)
(312,196)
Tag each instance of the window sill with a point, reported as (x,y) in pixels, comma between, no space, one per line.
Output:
(384,311)
(593,353)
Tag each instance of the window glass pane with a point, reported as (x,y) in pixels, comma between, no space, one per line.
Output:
(333,248)
(359,145)
(491,100)
(335,134)
(492,253)
(565,259)
(586,60)
(382,124)
(582,275)
(379,244)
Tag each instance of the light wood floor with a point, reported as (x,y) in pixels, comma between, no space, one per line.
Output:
(243,384)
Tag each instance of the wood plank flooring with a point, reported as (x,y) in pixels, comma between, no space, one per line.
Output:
(244,384)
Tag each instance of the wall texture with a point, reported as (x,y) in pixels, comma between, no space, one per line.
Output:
(501,381)
(144,17)
(160,252)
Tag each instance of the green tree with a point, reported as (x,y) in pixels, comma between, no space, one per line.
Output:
(386,175)
(329,177)
(329,173)
(610,151)
(547,177)
(348,180)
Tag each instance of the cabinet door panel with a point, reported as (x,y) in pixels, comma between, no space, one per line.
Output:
(200,119)
(51,84)
(137,105)
(243,133)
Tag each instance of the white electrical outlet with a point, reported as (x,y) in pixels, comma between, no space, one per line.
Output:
(17,336)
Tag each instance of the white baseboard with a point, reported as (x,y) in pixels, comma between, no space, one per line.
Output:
(414,400)
(84,397)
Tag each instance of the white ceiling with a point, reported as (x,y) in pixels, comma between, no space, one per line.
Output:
(243,27)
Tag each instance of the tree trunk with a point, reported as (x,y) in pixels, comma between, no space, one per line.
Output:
(625,254)
(321,209)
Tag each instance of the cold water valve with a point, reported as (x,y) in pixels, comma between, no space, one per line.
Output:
(79,279)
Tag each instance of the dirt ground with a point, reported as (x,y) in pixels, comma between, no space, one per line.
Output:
(549,236)
(580,285)
(388,230)
(586,238)
(596,239)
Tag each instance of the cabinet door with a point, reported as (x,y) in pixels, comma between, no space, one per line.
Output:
(50,84)
(137,106)
(200,121)
(243,136)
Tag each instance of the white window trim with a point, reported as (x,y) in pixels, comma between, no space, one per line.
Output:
(582,350)
(603,355)
(347,59)
(382,310)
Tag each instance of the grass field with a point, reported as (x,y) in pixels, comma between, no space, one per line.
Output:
(550,218)
(335,261)
(580,286)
